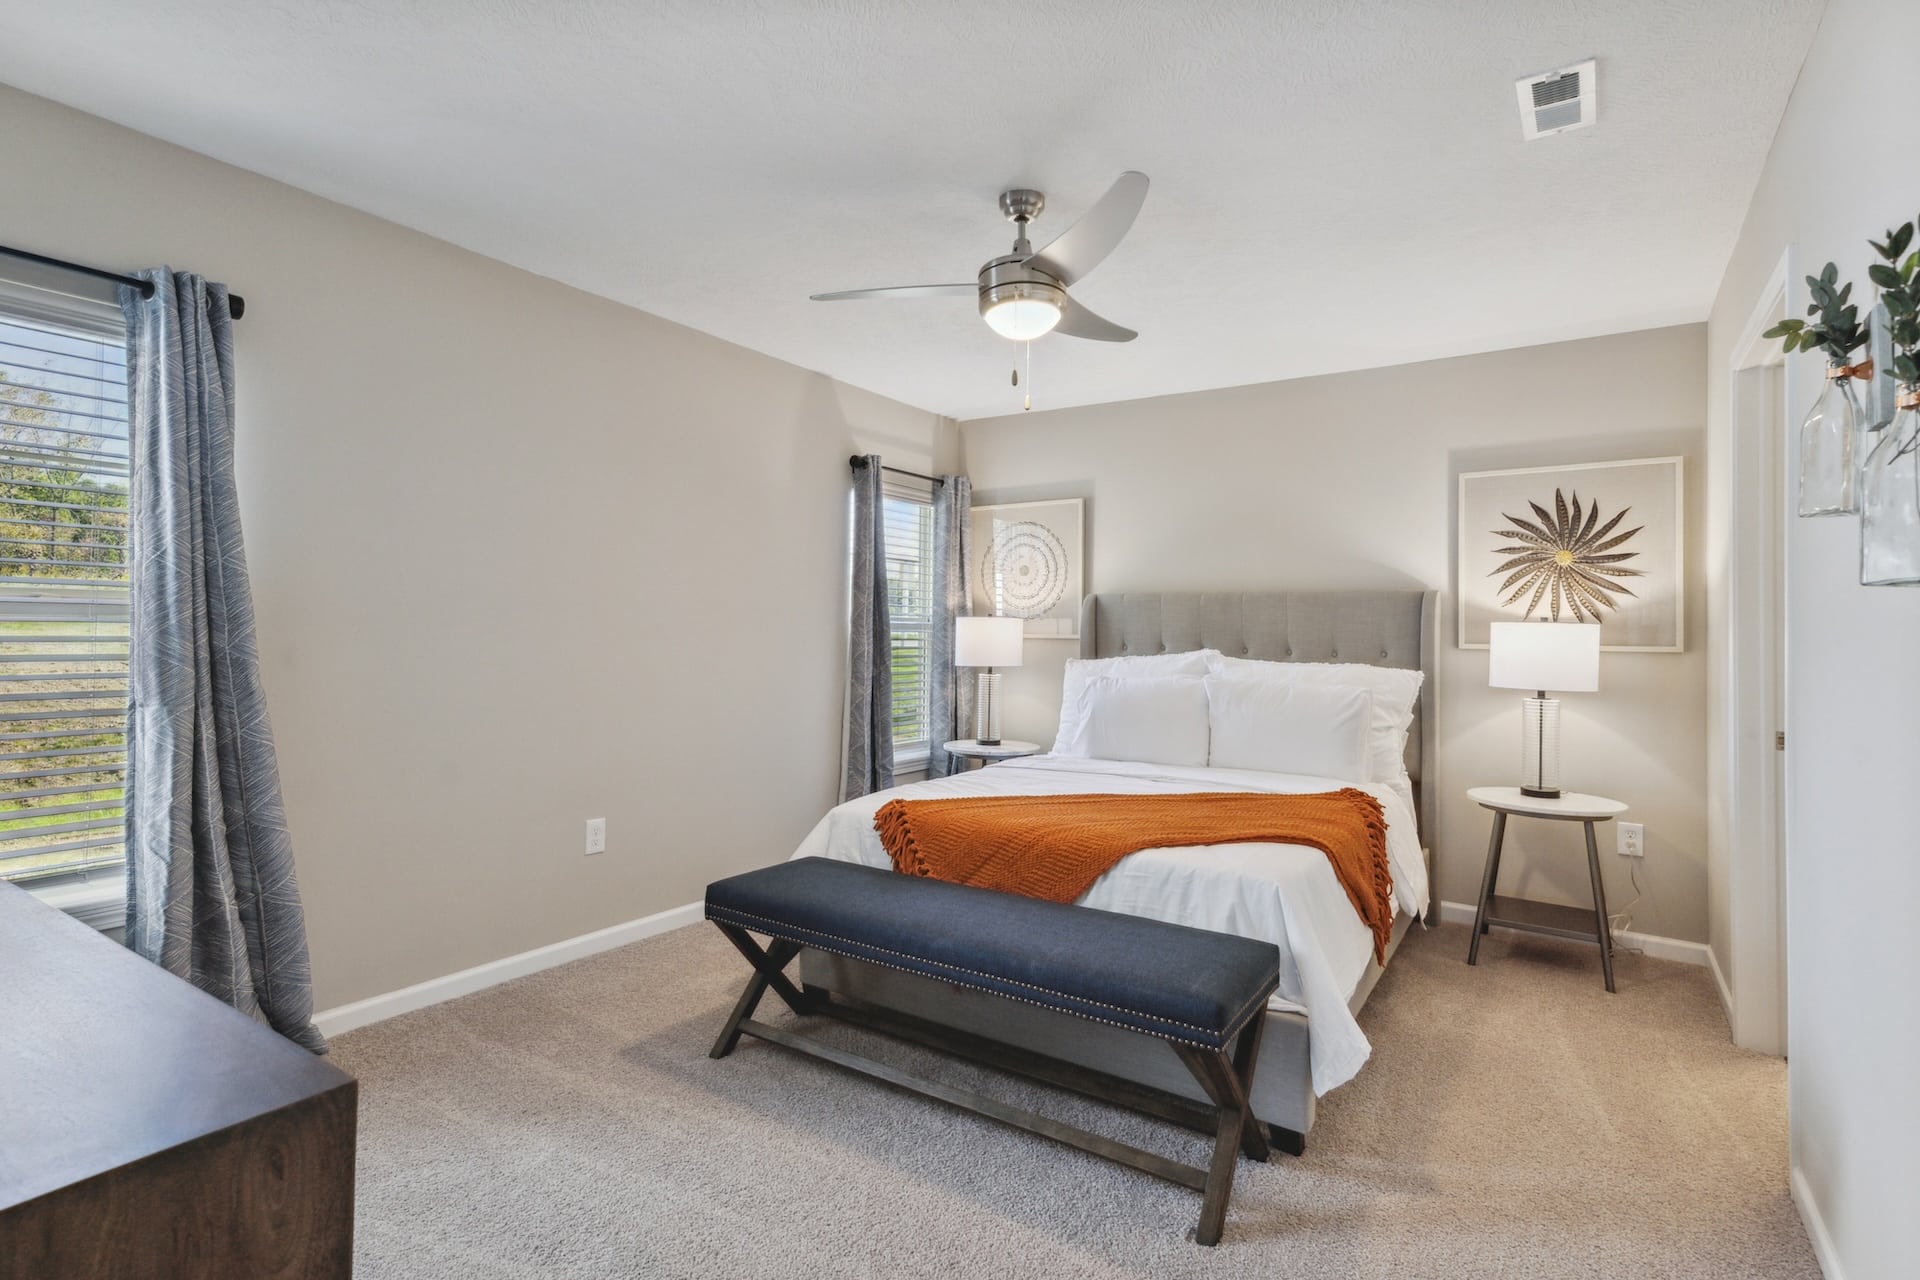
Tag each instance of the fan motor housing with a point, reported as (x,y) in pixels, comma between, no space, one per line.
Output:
(1009,278)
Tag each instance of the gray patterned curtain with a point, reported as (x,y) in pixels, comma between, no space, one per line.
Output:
(952,693)
(869,754)
(210,887)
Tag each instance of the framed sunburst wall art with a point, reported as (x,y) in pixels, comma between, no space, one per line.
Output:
(1028,563)
(1598,542)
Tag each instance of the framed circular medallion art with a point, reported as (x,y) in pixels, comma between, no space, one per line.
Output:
(1027,562)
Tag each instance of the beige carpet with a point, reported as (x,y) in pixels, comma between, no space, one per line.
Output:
(1515,1121)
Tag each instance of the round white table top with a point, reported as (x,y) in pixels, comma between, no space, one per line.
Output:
(1570,805)
(1005,749)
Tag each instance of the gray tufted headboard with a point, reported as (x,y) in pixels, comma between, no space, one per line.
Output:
(1381,628)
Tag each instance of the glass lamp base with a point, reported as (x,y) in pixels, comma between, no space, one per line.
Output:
(1540,748)
(986,709)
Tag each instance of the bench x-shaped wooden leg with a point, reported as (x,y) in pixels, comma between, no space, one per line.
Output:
(1246,1054)
(767,966)
(1226,1080)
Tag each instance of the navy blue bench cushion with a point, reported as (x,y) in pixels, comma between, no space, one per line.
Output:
(1167,980)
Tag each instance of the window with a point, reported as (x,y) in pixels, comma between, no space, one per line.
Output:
(907,508)
(63,586)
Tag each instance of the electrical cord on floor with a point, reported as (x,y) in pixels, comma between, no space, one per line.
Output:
(1618,922)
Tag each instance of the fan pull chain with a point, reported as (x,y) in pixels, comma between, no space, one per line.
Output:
(1026,401)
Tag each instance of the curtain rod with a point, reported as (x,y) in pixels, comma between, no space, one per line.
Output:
(236,304)
(857,462)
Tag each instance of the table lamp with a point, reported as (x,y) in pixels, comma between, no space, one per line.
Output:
(987,643)
(1562,656)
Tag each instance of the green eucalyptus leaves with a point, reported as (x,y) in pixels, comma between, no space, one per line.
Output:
(1900,292)
(1837,330)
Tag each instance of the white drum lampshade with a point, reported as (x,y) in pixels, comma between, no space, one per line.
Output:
(987,643)
(1561,657)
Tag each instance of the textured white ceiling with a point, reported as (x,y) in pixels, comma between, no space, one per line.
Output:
(1337,185)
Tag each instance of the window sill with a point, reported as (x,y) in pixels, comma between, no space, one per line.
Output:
(910,761)
(100,904)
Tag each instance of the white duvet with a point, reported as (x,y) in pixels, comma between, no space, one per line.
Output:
(1286,894)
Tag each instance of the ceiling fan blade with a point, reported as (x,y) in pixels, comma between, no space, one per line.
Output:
(1079,248)
(1078,322)
(904,291)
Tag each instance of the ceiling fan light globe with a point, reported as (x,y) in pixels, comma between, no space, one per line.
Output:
(1016,302)
(1023,319)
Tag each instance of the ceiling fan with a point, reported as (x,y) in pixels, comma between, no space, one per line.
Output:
(1023,294)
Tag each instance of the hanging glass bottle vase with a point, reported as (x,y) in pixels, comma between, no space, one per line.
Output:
(1827,442)
(1890,500)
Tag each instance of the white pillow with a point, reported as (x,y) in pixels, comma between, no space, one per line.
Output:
(1151,719)
(1295,726)
(1080,670)
(1396,690)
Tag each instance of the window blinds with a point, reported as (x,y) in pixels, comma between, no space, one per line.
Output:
(908,513)
(63,587)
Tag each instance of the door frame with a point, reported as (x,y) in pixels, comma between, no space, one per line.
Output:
(1761,450)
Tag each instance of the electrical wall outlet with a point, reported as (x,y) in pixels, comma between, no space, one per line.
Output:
(1632,839)
(596,835)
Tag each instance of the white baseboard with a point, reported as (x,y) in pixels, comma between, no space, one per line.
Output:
(1651,944)
(1823,1251)
(362,1013)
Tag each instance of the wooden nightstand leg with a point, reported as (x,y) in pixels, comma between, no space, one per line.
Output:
(1486,884)
(1605,935)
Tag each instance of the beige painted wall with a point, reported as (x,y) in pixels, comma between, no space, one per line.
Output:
(1349,481)
(522,556)
(1837,174)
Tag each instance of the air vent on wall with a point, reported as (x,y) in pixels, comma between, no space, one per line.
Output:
(1557,101)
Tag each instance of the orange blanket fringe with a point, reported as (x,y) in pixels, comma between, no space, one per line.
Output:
(1055,847)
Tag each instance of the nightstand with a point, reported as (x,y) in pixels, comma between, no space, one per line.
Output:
(1544,917)
(1005,749)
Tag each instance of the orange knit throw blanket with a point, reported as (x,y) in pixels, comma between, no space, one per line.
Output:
(1055,847)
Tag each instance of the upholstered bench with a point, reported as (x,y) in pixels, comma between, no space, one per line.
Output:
(1201,993)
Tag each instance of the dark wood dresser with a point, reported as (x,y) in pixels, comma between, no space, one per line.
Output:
(147,1130)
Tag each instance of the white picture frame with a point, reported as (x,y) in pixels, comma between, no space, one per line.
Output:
(1027,560)
(1652,493)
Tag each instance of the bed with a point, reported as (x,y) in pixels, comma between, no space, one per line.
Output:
(1284,894)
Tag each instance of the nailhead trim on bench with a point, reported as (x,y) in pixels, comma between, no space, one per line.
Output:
(779,929)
